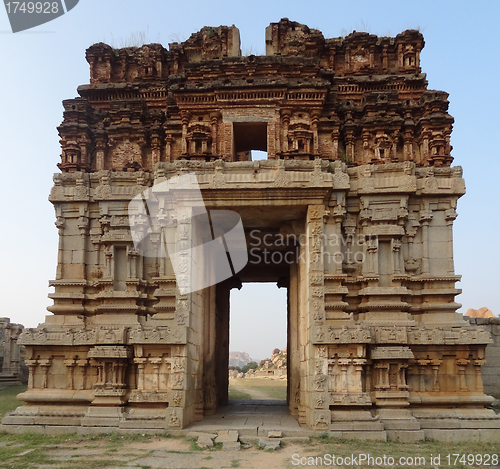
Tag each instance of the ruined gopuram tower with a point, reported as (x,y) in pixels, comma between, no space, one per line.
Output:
(352,212)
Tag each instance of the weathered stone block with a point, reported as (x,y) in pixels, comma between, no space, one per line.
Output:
(269,443)
(204,441)
(231,446)
(230,436)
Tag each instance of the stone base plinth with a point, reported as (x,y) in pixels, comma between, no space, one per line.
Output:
(103,417)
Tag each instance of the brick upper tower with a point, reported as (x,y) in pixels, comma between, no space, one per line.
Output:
(359,99)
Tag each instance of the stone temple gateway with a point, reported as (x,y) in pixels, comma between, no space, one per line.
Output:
(358,183)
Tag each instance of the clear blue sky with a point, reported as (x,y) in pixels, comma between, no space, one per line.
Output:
(43,66)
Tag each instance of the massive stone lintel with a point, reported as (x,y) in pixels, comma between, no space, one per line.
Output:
(358,190)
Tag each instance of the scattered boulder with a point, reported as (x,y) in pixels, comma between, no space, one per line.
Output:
(204,441)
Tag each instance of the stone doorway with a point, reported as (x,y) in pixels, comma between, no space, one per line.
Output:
(272,261)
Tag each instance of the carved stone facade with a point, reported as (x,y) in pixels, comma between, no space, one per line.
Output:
(10,353)
(358,189)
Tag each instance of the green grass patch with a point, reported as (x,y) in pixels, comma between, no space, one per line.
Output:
(272,388)
(237,395)
(193,446)
(42,445)
(274,392)
(8,399)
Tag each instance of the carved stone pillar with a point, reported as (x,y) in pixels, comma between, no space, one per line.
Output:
(411,264)
(366,147)
(285,118)
(70,365)
(60,224)
(461,365)
(396,252)
(372,254)
(214,121)
(155,147)
(435,373)
(108,255)
(185,121)
(479,379)
(450,216)
(425,219)
(83,364)
(141,363)
(408,145)
(132,263)
(314,127)
(401,376)
(156,362)
(45,364)
(32,364)
(421,368)
(100,147)
(335,145)
(382,381)
(344,364)
(358,370)
(169,140)
(350,142)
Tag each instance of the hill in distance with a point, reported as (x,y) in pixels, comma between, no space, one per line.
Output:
(239,358)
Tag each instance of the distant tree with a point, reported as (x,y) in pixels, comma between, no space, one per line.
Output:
(276,351)
(249,366)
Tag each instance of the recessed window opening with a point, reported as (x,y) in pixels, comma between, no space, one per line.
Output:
(250,136)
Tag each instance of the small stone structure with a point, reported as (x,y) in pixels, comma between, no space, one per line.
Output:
(10,368)
(491,369)
(352,212)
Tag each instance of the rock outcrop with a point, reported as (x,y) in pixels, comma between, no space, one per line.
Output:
(483,312)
